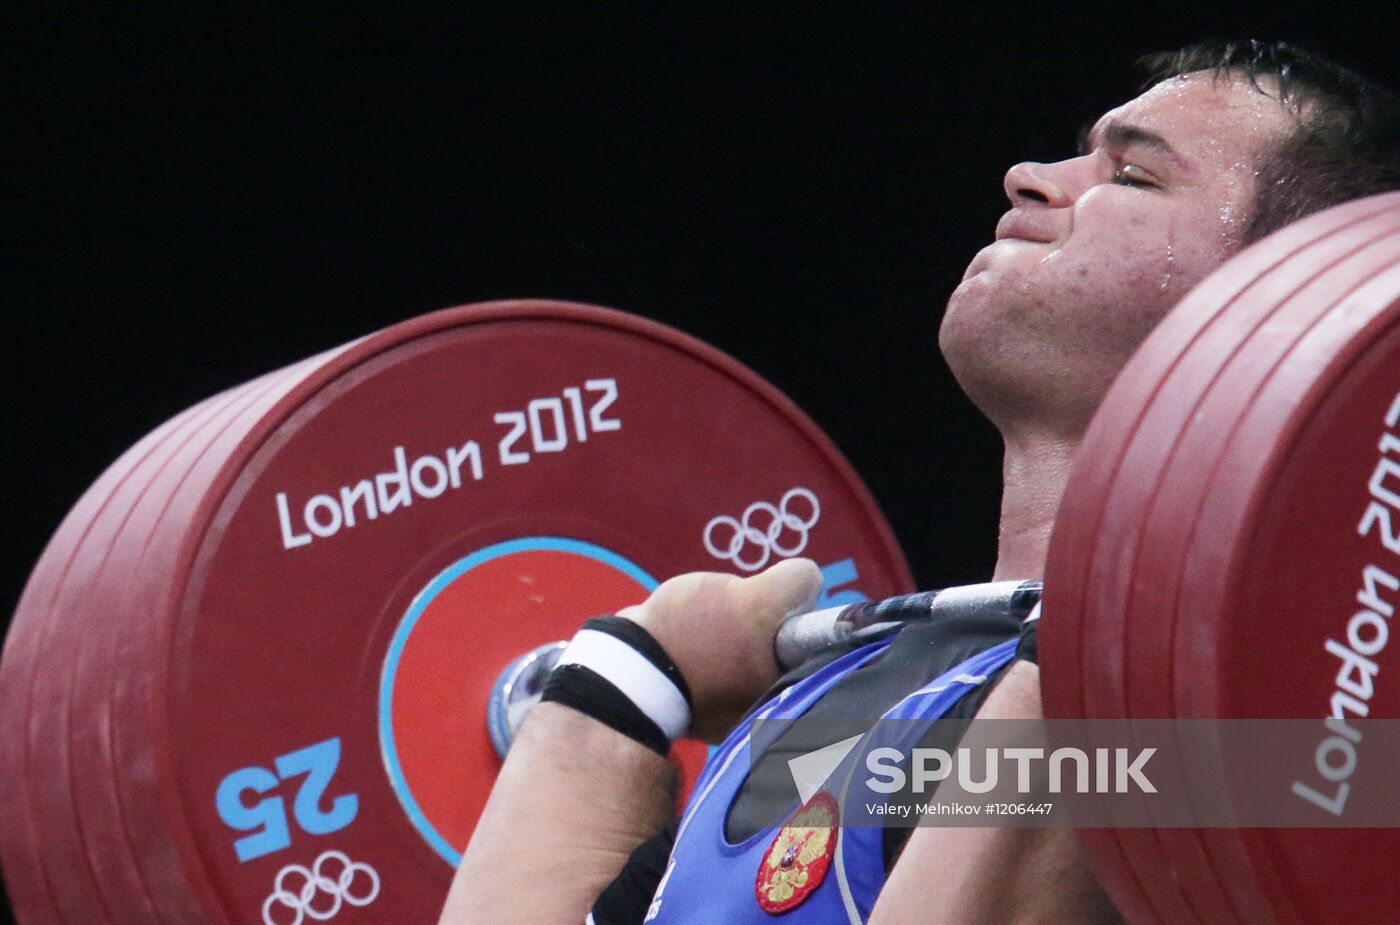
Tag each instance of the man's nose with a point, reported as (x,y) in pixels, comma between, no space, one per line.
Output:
(1030,181)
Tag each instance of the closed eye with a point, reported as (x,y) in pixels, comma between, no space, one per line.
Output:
(1134,176)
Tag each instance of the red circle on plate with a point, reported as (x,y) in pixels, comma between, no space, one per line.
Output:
(432,703)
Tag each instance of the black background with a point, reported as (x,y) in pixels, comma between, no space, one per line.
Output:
(197,197)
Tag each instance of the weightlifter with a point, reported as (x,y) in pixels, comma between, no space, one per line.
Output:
(1231,142)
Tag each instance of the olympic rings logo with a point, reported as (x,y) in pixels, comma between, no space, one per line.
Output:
(314,883)
(764,537)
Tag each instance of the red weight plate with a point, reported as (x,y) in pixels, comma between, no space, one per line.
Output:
(1326,431)
(44,869)
(1155,398)
(48,839)
(1171,532)
(1209,390)
(122,659)
(125,875)
(84,859)
(573,486)
(31,888)
(1068,678)
(282,694)
(70,764)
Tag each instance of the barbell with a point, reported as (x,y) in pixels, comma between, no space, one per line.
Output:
(266,664)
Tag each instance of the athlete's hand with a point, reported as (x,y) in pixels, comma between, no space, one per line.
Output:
(719,631)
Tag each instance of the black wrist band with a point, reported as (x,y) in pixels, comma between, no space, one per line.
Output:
(588,692)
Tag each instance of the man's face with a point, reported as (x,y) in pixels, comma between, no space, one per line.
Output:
(1097,248)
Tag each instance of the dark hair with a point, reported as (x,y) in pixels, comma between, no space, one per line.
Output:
(1347,144)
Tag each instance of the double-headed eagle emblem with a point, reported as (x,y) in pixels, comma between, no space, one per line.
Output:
(796,861)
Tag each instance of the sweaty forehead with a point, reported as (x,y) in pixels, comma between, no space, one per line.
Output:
(1209,121)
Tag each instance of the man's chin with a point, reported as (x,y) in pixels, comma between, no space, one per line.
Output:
(964,317)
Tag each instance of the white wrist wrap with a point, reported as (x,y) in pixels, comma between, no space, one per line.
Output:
(634,675)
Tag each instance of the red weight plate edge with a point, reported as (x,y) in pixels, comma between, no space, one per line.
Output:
(1162,537)
(1191,872)
(208,490)
(1267,846)
(1278,844)
(80,611)
(59,832)
(88,610)
(1079,516)
(1237,492)
(1178,850)
(58,813)
(90,721)
(1227,405)
(1144,541)
(31,885)
(132,811)
(1130,499)
(1078,525)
